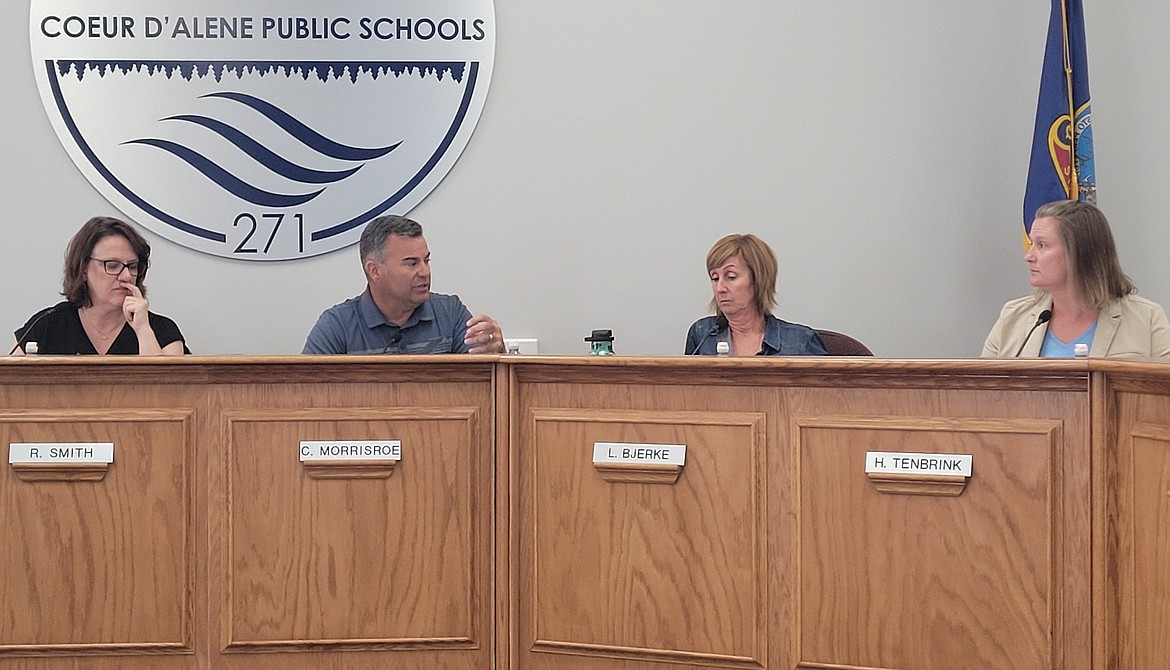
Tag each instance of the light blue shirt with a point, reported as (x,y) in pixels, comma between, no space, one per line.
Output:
(357,326)
(1054,348)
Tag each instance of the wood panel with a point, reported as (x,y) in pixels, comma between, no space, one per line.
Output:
(100,573)
(288,530)
(1134,610)
(398,577)
(1149,512)
(206,545)
(894,580)
(1017,542)
(355,573)
(1033,444)
(630,570)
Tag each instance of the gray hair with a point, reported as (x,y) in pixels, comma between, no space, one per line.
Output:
(373,243)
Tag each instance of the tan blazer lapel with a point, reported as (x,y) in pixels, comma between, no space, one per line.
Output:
(1107,323)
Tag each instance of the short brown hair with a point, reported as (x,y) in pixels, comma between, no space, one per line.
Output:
(1094,271)
(760,262)
(77,254)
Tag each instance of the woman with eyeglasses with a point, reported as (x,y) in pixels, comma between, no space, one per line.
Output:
(105,309)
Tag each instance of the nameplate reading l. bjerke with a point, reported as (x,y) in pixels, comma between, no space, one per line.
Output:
(657,454)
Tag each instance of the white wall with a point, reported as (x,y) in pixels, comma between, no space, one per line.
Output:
(881,148)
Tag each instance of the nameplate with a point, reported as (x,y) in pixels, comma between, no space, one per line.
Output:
(61,452)
(893,462)
(621,452)
(351,450)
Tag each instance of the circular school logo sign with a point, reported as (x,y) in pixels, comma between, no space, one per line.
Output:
(263,131)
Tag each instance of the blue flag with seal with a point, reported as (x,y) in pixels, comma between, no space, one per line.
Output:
(1061,167)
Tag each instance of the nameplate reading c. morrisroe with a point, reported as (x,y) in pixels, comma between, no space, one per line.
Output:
(351,450)
(657,454)
(61,452)
(905,463)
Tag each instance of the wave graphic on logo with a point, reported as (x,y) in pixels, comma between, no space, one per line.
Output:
(303,182)
(267,158)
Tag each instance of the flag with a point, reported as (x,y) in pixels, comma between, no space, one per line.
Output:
(1061,167)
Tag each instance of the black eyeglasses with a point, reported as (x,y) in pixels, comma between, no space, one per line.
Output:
(115,267)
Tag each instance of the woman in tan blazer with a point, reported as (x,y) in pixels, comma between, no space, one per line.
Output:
(1081,296)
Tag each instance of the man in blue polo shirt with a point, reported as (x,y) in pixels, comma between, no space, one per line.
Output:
(397,313)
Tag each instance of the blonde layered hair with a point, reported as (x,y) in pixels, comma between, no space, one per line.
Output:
(757,256)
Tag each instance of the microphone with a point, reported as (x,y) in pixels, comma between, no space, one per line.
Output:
(395,339)
(28,330)
(719,325)
(1040,320)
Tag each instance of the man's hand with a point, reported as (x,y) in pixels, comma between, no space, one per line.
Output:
(484,335)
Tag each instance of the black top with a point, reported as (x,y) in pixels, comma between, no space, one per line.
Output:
(60,332)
